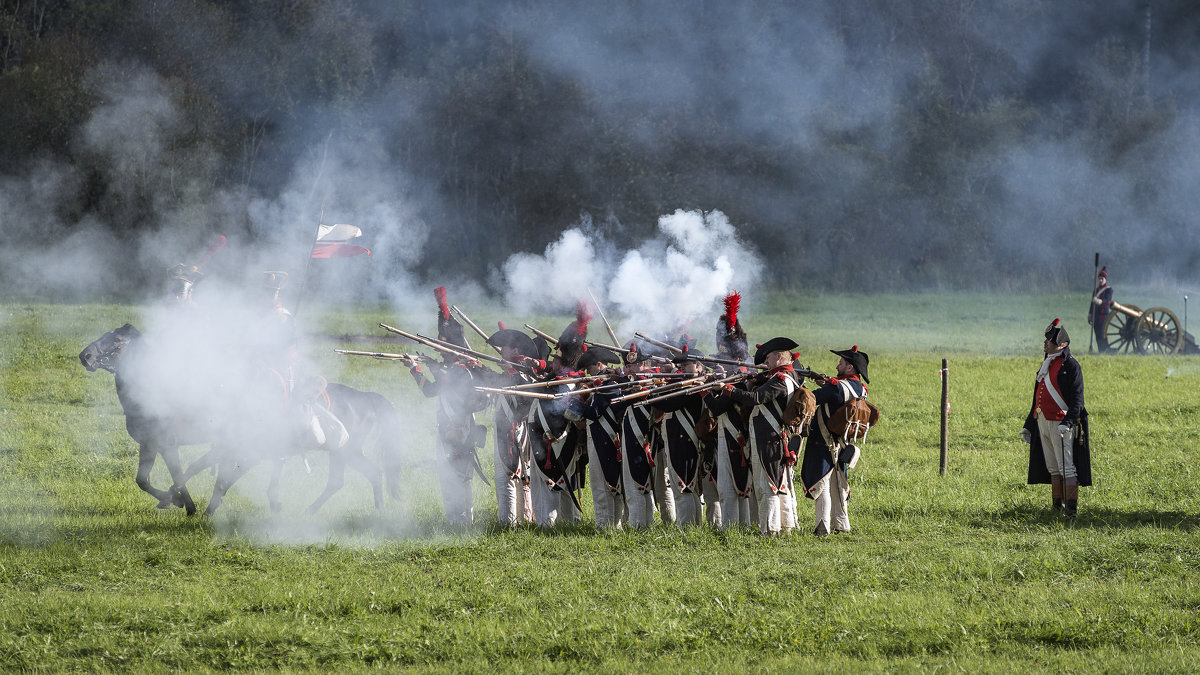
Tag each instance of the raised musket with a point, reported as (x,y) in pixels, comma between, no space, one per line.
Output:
(669,347)
(463,315)
(615,342)
(704,386)
(454,349)
(552,340)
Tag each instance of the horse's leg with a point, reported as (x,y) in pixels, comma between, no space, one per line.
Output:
(206,460)
(337,478)
(146,455)
(273,486)
(179,492)
(371,471)
(228,473)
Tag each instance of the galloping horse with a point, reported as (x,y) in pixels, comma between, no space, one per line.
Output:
(245,424)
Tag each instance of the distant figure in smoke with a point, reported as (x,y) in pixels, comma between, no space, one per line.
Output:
(1057,425)
(828,456)
(458,436)
(1100,309)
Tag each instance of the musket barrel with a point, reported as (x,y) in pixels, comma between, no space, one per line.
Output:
(672,348)
(515,392)
(544,336)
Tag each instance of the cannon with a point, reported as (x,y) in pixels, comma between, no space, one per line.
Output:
(1152,331)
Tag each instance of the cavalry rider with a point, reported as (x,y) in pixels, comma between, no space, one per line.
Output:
(603,437)
(512,428)
(771,467)
(679,430)
(1100,309)
(823,468)
(457,433)
(1057,425)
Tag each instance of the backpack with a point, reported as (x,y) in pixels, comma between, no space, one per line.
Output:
(853,420)
(800,409)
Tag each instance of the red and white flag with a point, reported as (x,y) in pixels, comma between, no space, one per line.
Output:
(331,242)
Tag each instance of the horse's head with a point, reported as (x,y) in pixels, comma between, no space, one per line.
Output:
(106,352)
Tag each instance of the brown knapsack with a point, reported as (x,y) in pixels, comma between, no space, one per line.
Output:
(800,409)
(852,420)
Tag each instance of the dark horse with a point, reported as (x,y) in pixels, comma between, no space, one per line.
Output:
(252,423)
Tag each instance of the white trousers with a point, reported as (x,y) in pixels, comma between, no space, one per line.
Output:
(664,497)
(549,506)
(512,493)
(608,503)
(735,509)
(639,499)
(1059,462)
(776,510)
(829,499)
(712,502)
(687,504)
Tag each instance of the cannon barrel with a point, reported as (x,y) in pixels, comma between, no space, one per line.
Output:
(1155,330)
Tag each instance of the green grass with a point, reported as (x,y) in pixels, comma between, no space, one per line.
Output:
(964,572)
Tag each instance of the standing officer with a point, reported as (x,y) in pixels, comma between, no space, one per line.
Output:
(1057,426)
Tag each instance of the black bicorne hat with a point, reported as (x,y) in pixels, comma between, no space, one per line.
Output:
(597,355)
(857,359)
(776,344)
(508,337)
(449,329)
(1057,333)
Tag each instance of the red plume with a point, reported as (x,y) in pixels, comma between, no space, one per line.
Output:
(1055,322)
(501,324)
(731,308)
(443,306)
(582,317)
(854,348)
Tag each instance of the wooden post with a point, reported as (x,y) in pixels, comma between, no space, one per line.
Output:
(945,414)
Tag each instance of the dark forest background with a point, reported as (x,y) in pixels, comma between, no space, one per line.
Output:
(855,144)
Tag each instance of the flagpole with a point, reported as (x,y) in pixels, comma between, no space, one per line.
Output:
(308,261)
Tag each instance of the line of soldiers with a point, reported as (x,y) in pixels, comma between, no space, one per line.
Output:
(652,426)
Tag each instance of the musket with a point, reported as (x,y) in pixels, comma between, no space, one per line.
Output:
(728,362)
(408,358)
(697,388)
(515,392)
(619,350)
(449,348)
(611,385)
(669,347)
(611,334)
(547,338)
(659,389)
(551,383)
(462,315)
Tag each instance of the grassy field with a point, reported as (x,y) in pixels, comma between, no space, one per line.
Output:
(966,572)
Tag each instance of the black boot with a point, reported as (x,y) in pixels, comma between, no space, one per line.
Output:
(1071,493)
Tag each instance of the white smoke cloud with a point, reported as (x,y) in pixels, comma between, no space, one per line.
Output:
(668,282)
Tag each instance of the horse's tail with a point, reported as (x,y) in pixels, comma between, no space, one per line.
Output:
(389,443)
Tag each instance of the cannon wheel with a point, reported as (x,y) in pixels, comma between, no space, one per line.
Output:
(1120,330)
(1158,332)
